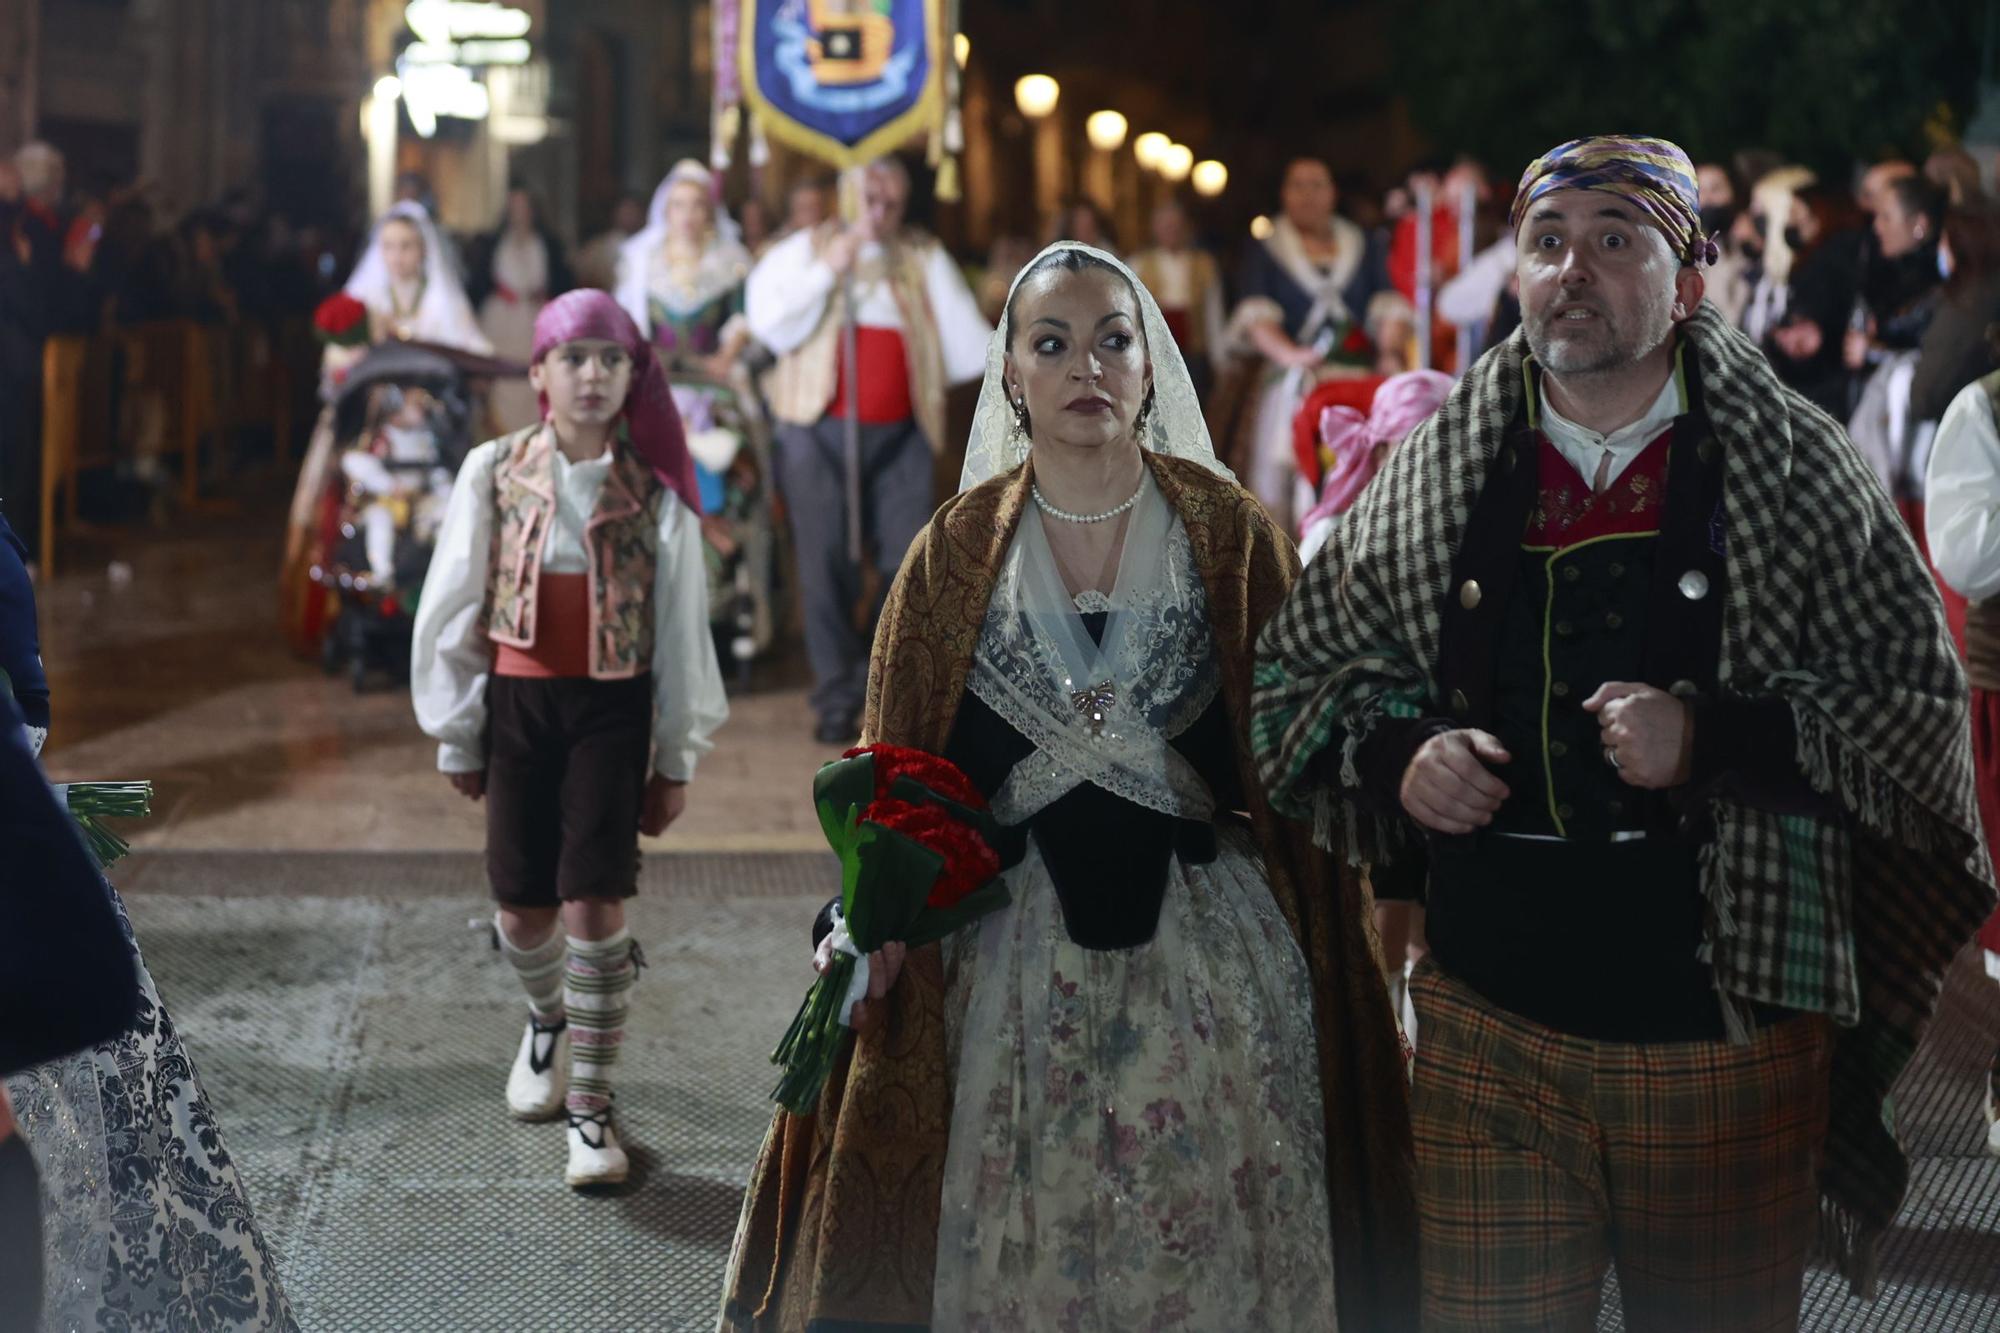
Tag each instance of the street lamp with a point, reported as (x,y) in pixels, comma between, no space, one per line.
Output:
(1210,178)
(1260,227)
(1176,162)
(1036,95)
(1148,147)
(961,48)
(1105,130)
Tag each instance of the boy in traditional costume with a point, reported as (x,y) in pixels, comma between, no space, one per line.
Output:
(562,661)
(1626,640)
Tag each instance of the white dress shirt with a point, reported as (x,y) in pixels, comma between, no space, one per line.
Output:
(787,293)
(452,658)
(1468,297)
(1585,448)
(1962,497)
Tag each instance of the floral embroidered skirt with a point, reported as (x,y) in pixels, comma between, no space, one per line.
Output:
(1137,1140)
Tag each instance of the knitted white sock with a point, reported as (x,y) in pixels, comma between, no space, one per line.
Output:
(541,972)
(596,983)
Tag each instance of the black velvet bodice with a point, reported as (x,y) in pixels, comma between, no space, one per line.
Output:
(1107,856)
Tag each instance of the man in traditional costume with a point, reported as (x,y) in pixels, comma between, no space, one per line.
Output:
(562,662)
(1162,1087)
(1627,643)
(916,331)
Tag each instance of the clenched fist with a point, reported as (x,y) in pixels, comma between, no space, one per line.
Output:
(1648,734)
(1448,787)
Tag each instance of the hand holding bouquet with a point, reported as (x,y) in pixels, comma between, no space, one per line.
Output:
(915,843)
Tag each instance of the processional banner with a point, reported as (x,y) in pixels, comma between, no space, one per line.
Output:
(846,80)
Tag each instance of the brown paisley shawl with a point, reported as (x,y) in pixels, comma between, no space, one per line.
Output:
(840,1225)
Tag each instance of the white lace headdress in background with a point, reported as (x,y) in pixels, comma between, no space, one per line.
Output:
(724,263)
(443,315)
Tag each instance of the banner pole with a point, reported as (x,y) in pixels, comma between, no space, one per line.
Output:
(1423,275)
(851,392)
(850,372)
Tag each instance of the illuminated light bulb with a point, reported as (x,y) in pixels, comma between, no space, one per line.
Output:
(1036,95)
(1148,147)
(1105,130)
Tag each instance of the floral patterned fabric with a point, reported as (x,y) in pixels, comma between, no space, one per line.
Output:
(1137,1137)
(161,1238)
(622,538)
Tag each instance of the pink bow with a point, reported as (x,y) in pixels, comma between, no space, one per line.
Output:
(1355,441)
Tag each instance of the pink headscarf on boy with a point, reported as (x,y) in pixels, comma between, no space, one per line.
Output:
(1400,405)
(652,422)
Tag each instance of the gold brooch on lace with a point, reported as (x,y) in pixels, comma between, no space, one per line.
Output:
(1094,702)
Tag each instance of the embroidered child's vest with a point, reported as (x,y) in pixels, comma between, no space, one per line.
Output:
(621,540)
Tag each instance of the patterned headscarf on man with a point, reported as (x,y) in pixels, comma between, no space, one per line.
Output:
(1653,174)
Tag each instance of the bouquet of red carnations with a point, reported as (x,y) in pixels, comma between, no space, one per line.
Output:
(915,842)
(341,320)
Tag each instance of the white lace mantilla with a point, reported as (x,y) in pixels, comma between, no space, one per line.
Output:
(1150,676)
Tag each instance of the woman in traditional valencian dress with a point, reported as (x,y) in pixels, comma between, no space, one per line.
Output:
(1163,1087)
(409,287)
(406,283)
(1314,302)
(681,279)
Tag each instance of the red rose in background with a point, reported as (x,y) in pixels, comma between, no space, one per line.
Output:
(341,319)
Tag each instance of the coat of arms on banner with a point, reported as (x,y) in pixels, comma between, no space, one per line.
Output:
(844,80)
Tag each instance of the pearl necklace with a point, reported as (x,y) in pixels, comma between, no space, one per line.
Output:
(1068,517)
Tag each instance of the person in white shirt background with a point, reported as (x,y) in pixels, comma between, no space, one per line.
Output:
(1962,530)
(917,330)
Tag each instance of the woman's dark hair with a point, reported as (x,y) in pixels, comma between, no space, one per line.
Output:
(1973,232)
(1068,261)
(1920,199)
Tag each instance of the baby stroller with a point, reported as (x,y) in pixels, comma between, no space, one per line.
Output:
(403,422)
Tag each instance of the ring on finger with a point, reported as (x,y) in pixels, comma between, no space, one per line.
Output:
(1611,757)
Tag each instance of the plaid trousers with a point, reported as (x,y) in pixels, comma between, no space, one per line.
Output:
(1544,1158)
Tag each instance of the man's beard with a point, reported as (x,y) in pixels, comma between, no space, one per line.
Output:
(1607,343)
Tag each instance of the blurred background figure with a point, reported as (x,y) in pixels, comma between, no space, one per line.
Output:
(807,204)
(1081,220)
(597,260)
(916,331)
(1314,300)
(1187,282)
(514,270)
(681,279)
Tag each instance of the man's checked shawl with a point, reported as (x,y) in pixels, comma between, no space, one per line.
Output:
(1829,606)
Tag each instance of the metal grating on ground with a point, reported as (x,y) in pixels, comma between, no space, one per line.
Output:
(356,1048)
(354,1032)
